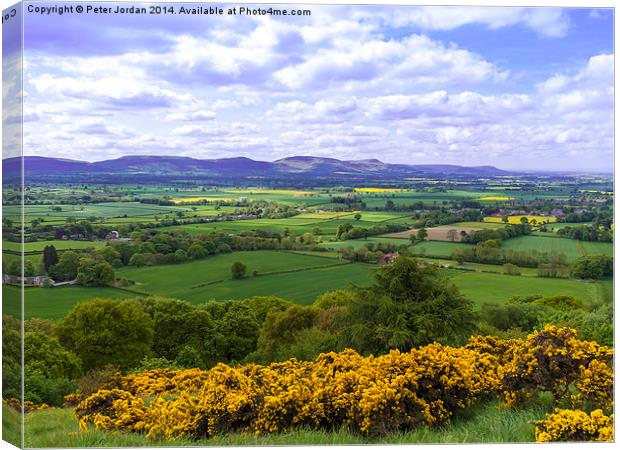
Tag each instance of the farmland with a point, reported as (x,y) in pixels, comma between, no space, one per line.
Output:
(282,274)
(232,256)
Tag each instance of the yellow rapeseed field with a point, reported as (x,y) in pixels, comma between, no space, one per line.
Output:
(496,199)
(199,199)
(271,191)
(517,219)
(376,190)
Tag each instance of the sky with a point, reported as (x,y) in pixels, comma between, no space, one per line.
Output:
(517,88)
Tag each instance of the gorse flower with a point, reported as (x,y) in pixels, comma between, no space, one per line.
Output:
(371,395)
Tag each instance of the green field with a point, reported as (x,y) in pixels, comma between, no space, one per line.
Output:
(292,224)
(53,303)
(59,244)
(439,249)
(598,248)
(487,287)
(572,248)
(297,277)
(544,244)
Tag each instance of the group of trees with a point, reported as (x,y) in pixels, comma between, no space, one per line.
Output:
(348,231)
(587,233)
(499,234)
(407,306)
(522,315)
(592,267)
(490,252)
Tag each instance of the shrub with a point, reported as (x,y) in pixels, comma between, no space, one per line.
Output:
(105,331)
(550,360)
(567,425)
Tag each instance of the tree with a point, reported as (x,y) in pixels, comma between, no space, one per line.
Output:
(180,256)
(422,234)
(137,260)
(357,216)
(236,333)
(106,331)
(407,306)
(29,268)
(280,327)
(67,267)
(177,324)
(452,234)
(238,270)
(111,256)
(44,352)
(50,257)
(196,251)
(592,267)
(94,273)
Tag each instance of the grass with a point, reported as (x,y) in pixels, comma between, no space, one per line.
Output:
(486,422)
(11,426)
(194,274)
(495,288)
(301,287)
(59,244)
(545,244)
(439,249)
(298,277)
(53,303)
(598,248)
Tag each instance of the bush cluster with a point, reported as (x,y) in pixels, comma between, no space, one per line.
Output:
(371,395)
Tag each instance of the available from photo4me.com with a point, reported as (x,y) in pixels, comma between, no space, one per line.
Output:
(299,224)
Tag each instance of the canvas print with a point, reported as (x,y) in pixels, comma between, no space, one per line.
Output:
(298,224)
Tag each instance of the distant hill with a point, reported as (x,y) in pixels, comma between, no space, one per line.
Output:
(239,167)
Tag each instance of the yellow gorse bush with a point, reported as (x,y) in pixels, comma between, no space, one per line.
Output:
(372,395)
(570,425)
(554,360)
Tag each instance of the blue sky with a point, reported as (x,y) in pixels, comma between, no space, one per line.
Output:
(518,88)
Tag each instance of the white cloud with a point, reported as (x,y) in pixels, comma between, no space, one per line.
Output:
(551,22)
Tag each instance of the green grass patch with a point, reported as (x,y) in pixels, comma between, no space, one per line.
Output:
(544,244)
(488,287)
(279,273)
(486,422)
(53,303)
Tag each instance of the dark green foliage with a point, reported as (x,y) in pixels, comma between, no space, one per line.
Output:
(94,273)
(177,324)
(521,316)
(67,267)
(588,233)
(407,306)
(592,267)
(39,388)
(104,331)
(189,358)
(489,252)
(238,270)
(236,332)
(50,257)
(11,357)
(281,326)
